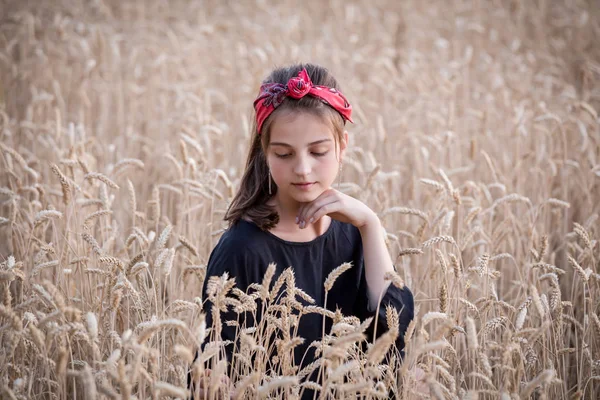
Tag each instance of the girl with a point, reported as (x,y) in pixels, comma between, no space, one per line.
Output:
(287,212)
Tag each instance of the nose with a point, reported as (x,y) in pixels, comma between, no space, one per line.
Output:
(302,166)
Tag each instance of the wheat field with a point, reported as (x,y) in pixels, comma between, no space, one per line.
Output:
(123,135)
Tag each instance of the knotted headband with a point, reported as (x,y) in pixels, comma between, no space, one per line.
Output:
(272,95)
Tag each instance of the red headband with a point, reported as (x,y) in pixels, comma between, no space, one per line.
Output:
(272,95)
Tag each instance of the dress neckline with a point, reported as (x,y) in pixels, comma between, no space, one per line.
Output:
(318,239)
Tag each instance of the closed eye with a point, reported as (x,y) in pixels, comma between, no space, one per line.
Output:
(314,153)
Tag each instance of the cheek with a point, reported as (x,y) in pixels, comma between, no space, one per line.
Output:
(331,164)
(278,169)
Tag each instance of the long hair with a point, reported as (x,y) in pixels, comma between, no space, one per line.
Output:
(250,201)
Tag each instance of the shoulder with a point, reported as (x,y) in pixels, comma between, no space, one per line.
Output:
(238,236)
(240,242)
(235,254)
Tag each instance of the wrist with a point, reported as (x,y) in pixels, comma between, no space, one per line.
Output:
(372,221)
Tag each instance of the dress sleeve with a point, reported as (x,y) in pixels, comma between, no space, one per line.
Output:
(228,256)
(401,299)
(234,259)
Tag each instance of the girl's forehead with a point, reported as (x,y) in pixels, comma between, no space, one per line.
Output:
(300,129)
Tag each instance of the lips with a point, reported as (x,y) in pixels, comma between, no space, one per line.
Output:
(305,185)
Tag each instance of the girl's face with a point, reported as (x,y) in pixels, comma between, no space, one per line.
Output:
(302,155)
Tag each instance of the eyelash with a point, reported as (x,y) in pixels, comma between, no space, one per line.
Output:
(287,155)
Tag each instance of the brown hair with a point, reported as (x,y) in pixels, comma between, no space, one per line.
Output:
(251,199)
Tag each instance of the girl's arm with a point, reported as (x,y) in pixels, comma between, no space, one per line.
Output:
(344,208)
(377,259)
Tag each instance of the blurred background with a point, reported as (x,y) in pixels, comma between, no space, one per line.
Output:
(475,121)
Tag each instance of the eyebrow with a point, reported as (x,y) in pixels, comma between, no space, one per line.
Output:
(288,145)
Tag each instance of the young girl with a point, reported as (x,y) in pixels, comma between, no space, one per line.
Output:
(288,212)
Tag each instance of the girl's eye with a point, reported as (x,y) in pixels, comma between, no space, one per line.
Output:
(287,155)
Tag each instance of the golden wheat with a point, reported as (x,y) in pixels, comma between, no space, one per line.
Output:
(120,130)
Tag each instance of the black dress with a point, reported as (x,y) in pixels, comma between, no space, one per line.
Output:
(245,251)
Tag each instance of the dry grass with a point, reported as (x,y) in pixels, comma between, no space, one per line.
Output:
(476,141)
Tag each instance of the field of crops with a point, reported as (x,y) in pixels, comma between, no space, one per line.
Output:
(124,127)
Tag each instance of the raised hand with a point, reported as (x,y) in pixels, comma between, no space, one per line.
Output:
(338,206)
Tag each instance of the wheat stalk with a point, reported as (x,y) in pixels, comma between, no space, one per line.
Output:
(333,275)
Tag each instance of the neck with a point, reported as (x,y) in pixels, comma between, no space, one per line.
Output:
(286,207)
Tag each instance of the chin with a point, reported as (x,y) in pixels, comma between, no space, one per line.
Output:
(309,196)
(306,197)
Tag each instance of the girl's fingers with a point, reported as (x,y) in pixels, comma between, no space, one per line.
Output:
(299,214)
(302,213)
(325,205)
(308,209)
(326,209)
(303,210)
(332,204)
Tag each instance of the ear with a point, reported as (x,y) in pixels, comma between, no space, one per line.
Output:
(344,145)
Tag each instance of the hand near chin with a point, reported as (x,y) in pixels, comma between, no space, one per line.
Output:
(338,206)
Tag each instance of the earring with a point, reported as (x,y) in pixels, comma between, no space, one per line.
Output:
(339,176)
(269,182)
